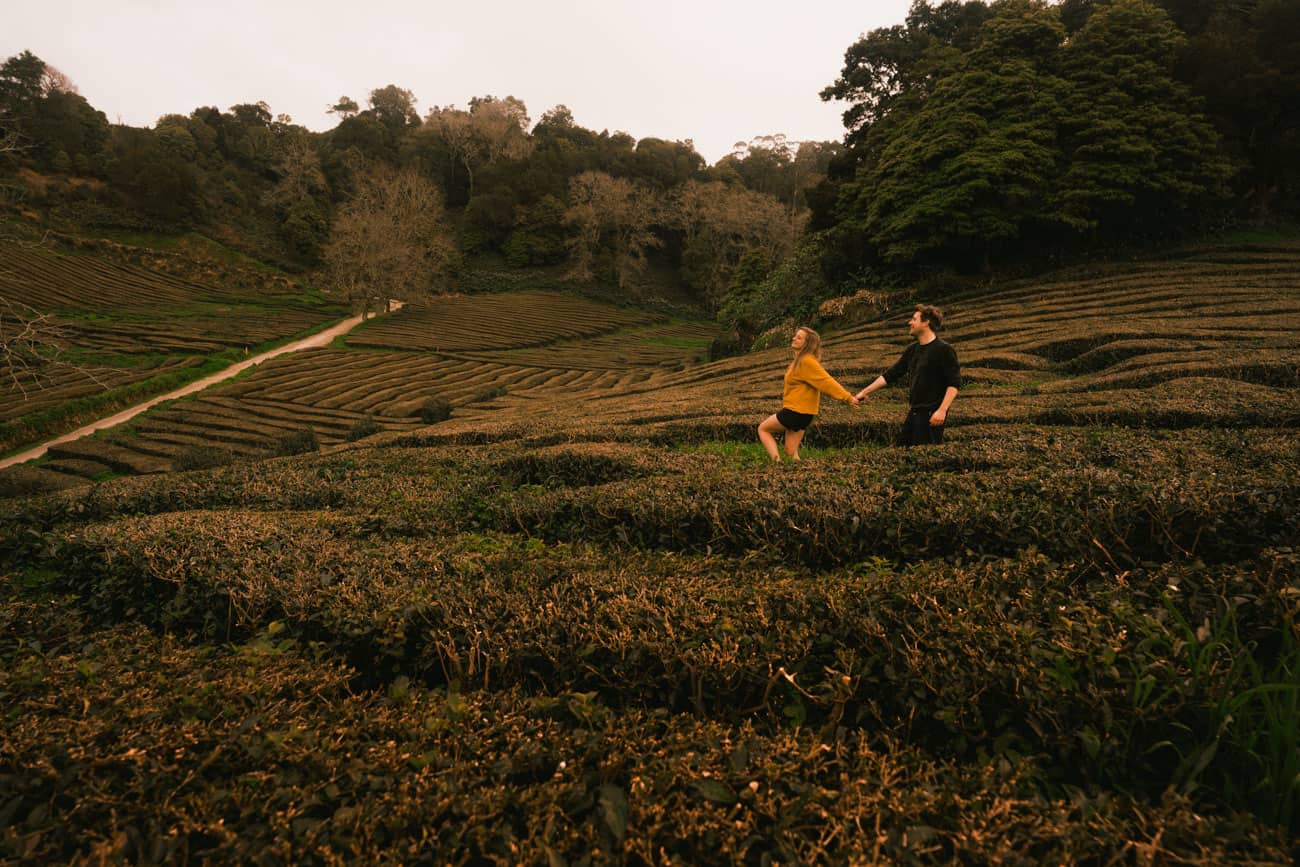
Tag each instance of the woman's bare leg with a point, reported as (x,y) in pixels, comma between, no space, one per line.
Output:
(767,431)
(792,440)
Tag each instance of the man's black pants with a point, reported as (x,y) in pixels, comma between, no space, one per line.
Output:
(917,430)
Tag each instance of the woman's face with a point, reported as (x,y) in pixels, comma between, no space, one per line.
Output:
(799,339)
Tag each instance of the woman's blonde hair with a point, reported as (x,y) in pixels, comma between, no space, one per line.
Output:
(812,345)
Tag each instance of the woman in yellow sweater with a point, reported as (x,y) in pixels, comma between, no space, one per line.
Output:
(805,382)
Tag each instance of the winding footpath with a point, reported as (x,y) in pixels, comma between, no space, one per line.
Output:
(323,338)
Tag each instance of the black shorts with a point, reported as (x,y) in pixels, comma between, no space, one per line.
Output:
(791,420)
(917,430)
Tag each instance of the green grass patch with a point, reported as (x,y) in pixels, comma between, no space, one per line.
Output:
(119,360)
(125,430)
(107,475)
(191,244)
(17,435)
(750,455)
(1271,234)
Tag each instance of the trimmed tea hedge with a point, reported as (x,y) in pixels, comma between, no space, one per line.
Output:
(121,745)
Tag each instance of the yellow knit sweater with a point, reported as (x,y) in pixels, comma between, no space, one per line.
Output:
(804,386)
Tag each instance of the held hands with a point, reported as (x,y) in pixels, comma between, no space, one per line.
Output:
(855,401)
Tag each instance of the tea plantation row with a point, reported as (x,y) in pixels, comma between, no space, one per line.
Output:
(1059,644)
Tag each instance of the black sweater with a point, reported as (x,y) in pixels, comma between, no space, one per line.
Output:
(933,368)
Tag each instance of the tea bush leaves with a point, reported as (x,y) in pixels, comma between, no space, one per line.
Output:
(262,751)
(581,623)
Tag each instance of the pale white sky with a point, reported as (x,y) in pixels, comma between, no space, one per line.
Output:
(715,71)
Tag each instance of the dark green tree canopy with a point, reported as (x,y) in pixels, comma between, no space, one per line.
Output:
(968,169)
(977,131)
(1136,148)
(21,82)
(887,64)
(394,107)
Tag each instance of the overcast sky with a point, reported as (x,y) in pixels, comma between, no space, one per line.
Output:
(714,71)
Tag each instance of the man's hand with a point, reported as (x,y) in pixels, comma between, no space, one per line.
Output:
(855,401)
(939,417)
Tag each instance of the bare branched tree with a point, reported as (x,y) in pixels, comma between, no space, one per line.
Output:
(32,346)
(723,223)
(612,219)
(391,240)
(491,131)
(54,80)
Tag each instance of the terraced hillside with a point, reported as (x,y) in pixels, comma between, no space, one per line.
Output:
(560,345)
(134,331)
(1207,339)
(589,623)
(499,321)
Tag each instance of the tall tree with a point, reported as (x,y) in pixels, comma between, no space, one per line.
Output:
(391,240)
(665,164)
(62,122)
(538,234)
(364,134)
(722,224)
(491,131)
(155,181)
(394,107)
(502,126)
(781,168)
(1244,61)
(890,63)
(42,105)
(345,108)
(612,227)
(22,82)
(763,164)
(300,195)
(969,166)
(1139,155)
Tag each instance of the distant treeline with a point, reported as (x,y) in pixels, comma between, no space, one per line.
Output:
(549,193)
(978,136)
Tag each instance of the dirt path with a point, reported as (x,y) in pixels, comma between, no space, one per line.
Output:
(324,338)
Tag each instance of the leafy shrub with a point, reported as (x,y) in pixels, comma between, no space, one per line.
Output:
(774,337)
(1100,609)
(363,428)
(202,458)
(434,410)
(265,747)
(21,481)
(1112,682)
(296,442)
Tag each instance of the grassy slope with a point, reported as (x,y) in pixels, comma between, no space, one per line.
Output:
(603,628)
(139,321)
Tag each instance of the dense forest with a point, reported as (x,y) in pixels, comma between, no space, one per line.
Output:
(979,136)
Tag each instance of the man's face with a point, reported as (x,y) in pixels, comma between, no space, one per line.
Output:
(916,325)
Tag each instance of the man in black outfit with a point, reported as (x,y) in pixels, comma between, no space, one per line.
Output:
(936,376)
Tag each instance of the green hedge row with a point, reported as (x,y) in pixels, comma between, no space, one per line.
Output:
(1105,677)
(123,746)
(1111,499)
